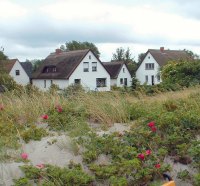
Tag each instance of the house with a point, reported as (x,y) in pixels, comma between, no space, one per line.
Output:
(119,73)
(149,70)
(19,71)
(72,67)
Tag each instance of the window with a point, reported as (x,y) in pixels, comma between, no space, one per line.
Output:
(50,69)
(149,57)
(77,81)
(121,80)
(149,66)
(51,82)
(101,82)
(123,70)
(45,83)
(85,67)
(89,56)
(94,66)
(146,79)
(17,72)
(54,69)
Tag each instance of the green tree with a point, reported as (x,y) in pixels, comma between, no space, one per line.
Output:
(2,55)
(77,45)
(141,58)
(123,55)
(192,54)
(36,63)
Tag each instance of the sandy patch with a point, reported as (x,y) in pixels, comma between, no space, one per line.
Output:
(117,127)
(54,150)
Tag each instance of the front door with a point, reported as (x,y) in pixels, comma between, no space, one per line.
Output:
(152,80)
(125,81)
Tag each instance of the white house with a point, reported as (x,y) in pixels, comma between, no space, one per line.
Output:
(73,67)
(19,71)
(149,70)
(119,73)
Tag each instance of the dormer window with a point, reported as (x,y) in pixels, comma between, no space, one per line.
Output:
(50,69)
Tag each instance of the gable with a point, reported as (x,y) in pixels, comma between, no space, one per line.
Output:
(124,70)
(64,62)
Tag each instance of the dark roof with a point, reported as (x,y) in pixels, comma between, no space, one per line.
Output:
(27,66)
(8,64)
(168,55)
(113,68)
(65,63)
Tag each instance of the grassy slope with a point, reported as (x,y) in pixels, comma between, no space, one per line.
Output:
(176,115)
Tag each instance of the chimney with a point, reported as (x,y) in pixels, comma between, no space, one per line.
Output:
(58,51)
(162,49)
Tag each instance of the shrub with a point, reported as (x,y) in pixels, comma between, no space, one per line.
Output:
(33,133)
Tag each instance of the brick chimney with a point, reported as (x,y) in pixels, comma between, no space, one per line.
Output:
(162,49)
(58,51)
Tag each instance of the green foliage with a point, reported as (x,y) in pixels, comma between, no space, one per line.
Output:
(8,82)
(33,133)
(72,90)
(184,175)
(22,182)
(118,181)
(53,89)
(197,179)
(77,45)
(123,55)
(72,118)
(194,151)
(183,73)
(53,175)
(3,56)
(36,64)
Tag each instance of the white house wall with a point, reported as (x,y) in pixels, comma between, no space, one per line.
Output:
(113,82)
(40,83)
(88,79)
(22,78)
(123,75)
(141,72)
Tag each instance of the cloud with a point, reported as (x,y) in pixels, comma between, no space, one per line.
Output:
(11,10)
(27,31)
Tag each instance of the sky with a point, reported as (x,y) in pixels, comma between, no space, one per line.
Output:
(33,29)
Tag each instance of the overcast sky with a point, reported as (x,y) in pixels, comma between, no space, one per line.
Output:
(31,29)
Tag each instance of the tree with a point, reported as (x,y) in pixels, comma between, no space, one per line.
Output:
(123,55)
(141,58)
(36,63)
(77,45)
(2,55)
(191,54)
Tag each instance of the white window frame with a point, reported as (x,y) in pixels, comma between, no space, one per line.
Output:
(94,66)
(85,66)
(149,66)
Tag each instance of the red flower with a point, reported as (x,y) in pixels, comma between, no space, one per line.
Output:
(45,116)
(157,166)
(40,166)
(141,156)
(148,152)
(153,129)
(24,156)
(151,124)
(59,109)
